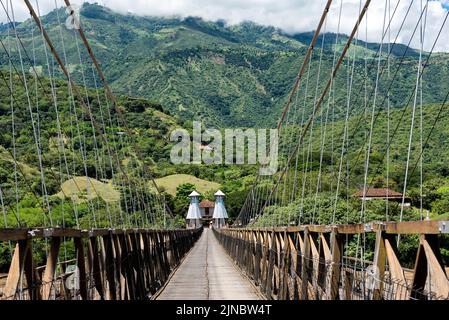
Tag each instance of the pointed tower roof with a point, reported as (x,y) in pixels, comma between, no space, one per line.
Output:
(220,210)
(194,194)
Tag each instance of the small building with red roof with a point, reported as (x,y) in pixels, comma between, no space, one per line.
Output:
(207,209)
(383,194)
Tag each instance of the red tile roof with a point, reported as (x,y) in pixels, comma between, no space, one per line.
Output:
(379,193)
(207,204)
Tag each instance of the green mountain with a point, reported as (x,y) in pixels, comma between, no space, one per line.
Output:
(182,69)
(236,76)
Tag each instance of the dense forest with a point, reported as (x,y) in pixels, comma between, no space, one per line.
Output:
(228,76)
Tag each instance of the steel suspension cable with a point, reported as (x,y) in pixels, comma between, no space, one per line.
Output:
(381,72)
(357,126)
(66,73)
(60,143)
(412,124)
(315,102)
(371,130)
(303,68)
(323,134)
(51,95)
(425,65)
(112,97)
(13,126)
(34,125)
(334,74)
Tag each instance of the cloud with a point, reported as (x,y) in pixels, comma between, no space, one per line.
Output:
(292,16)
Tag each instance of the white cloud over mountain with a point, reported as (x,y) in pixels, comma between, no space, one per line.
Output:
(289,15)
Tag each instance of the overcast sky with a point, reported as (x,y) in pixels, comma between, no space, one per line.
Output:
(289,15)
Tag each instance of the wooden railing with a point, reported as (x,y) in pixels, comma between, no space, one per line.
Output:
(310,262)
(108,264)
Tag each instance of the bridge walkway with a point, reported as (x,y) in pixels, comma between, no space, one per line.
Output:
(207,273)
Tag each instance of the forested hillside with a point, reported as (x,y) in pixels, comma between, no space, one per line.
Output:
(235,76)
(190,69)
(70,152)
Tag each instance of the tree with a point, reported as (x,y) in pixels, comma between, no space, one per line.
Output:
(182,200)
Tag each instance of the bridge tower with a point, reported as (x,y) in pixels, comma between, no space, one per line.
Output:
(194,214)
(220,213)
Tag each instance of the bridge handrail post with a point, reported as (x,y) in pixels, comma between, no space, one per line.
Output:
(336,243)
(380,259)
(305,265)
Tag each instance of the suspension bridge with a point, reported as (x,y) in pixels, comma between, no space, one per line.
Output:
(288,242)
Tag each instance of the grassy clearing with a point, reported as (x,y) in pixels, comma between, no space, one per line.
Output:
(441,217)
(81,189)
(170,183)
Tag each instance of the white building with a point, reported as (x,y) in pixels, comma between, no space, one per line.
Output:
(383,194)
(194,215)
(220,214)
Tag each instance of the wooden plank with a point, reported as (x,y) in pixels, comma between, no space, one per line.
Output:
(293,269)
(284,268)
(60,233)
(109,267)
(16,269)
(31,276)
(98,233)
(119,267)
(258,257)
(277,256)
(253,254)
(96,268)
(156,256)
(315,263)
(163,254)
(305,266)
(351,229)
(102,260)
(439,283)
(335,272)
(145,266)
(413,227)
(81,264)
(13,234)
(300,242)
(90,271)
(394,267)
(319,229)
(117,231)
(50,268)
(149,263)
(325,247)
(379,266)
(127,267)
(324,266)
(270,267)
(138,266)
(266,252)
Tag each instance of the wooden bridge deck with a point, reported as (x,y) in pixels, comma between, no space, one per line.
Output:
(208,273)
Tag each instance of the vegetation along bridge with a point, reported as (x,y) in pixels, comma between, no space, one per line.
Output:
(327,226)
